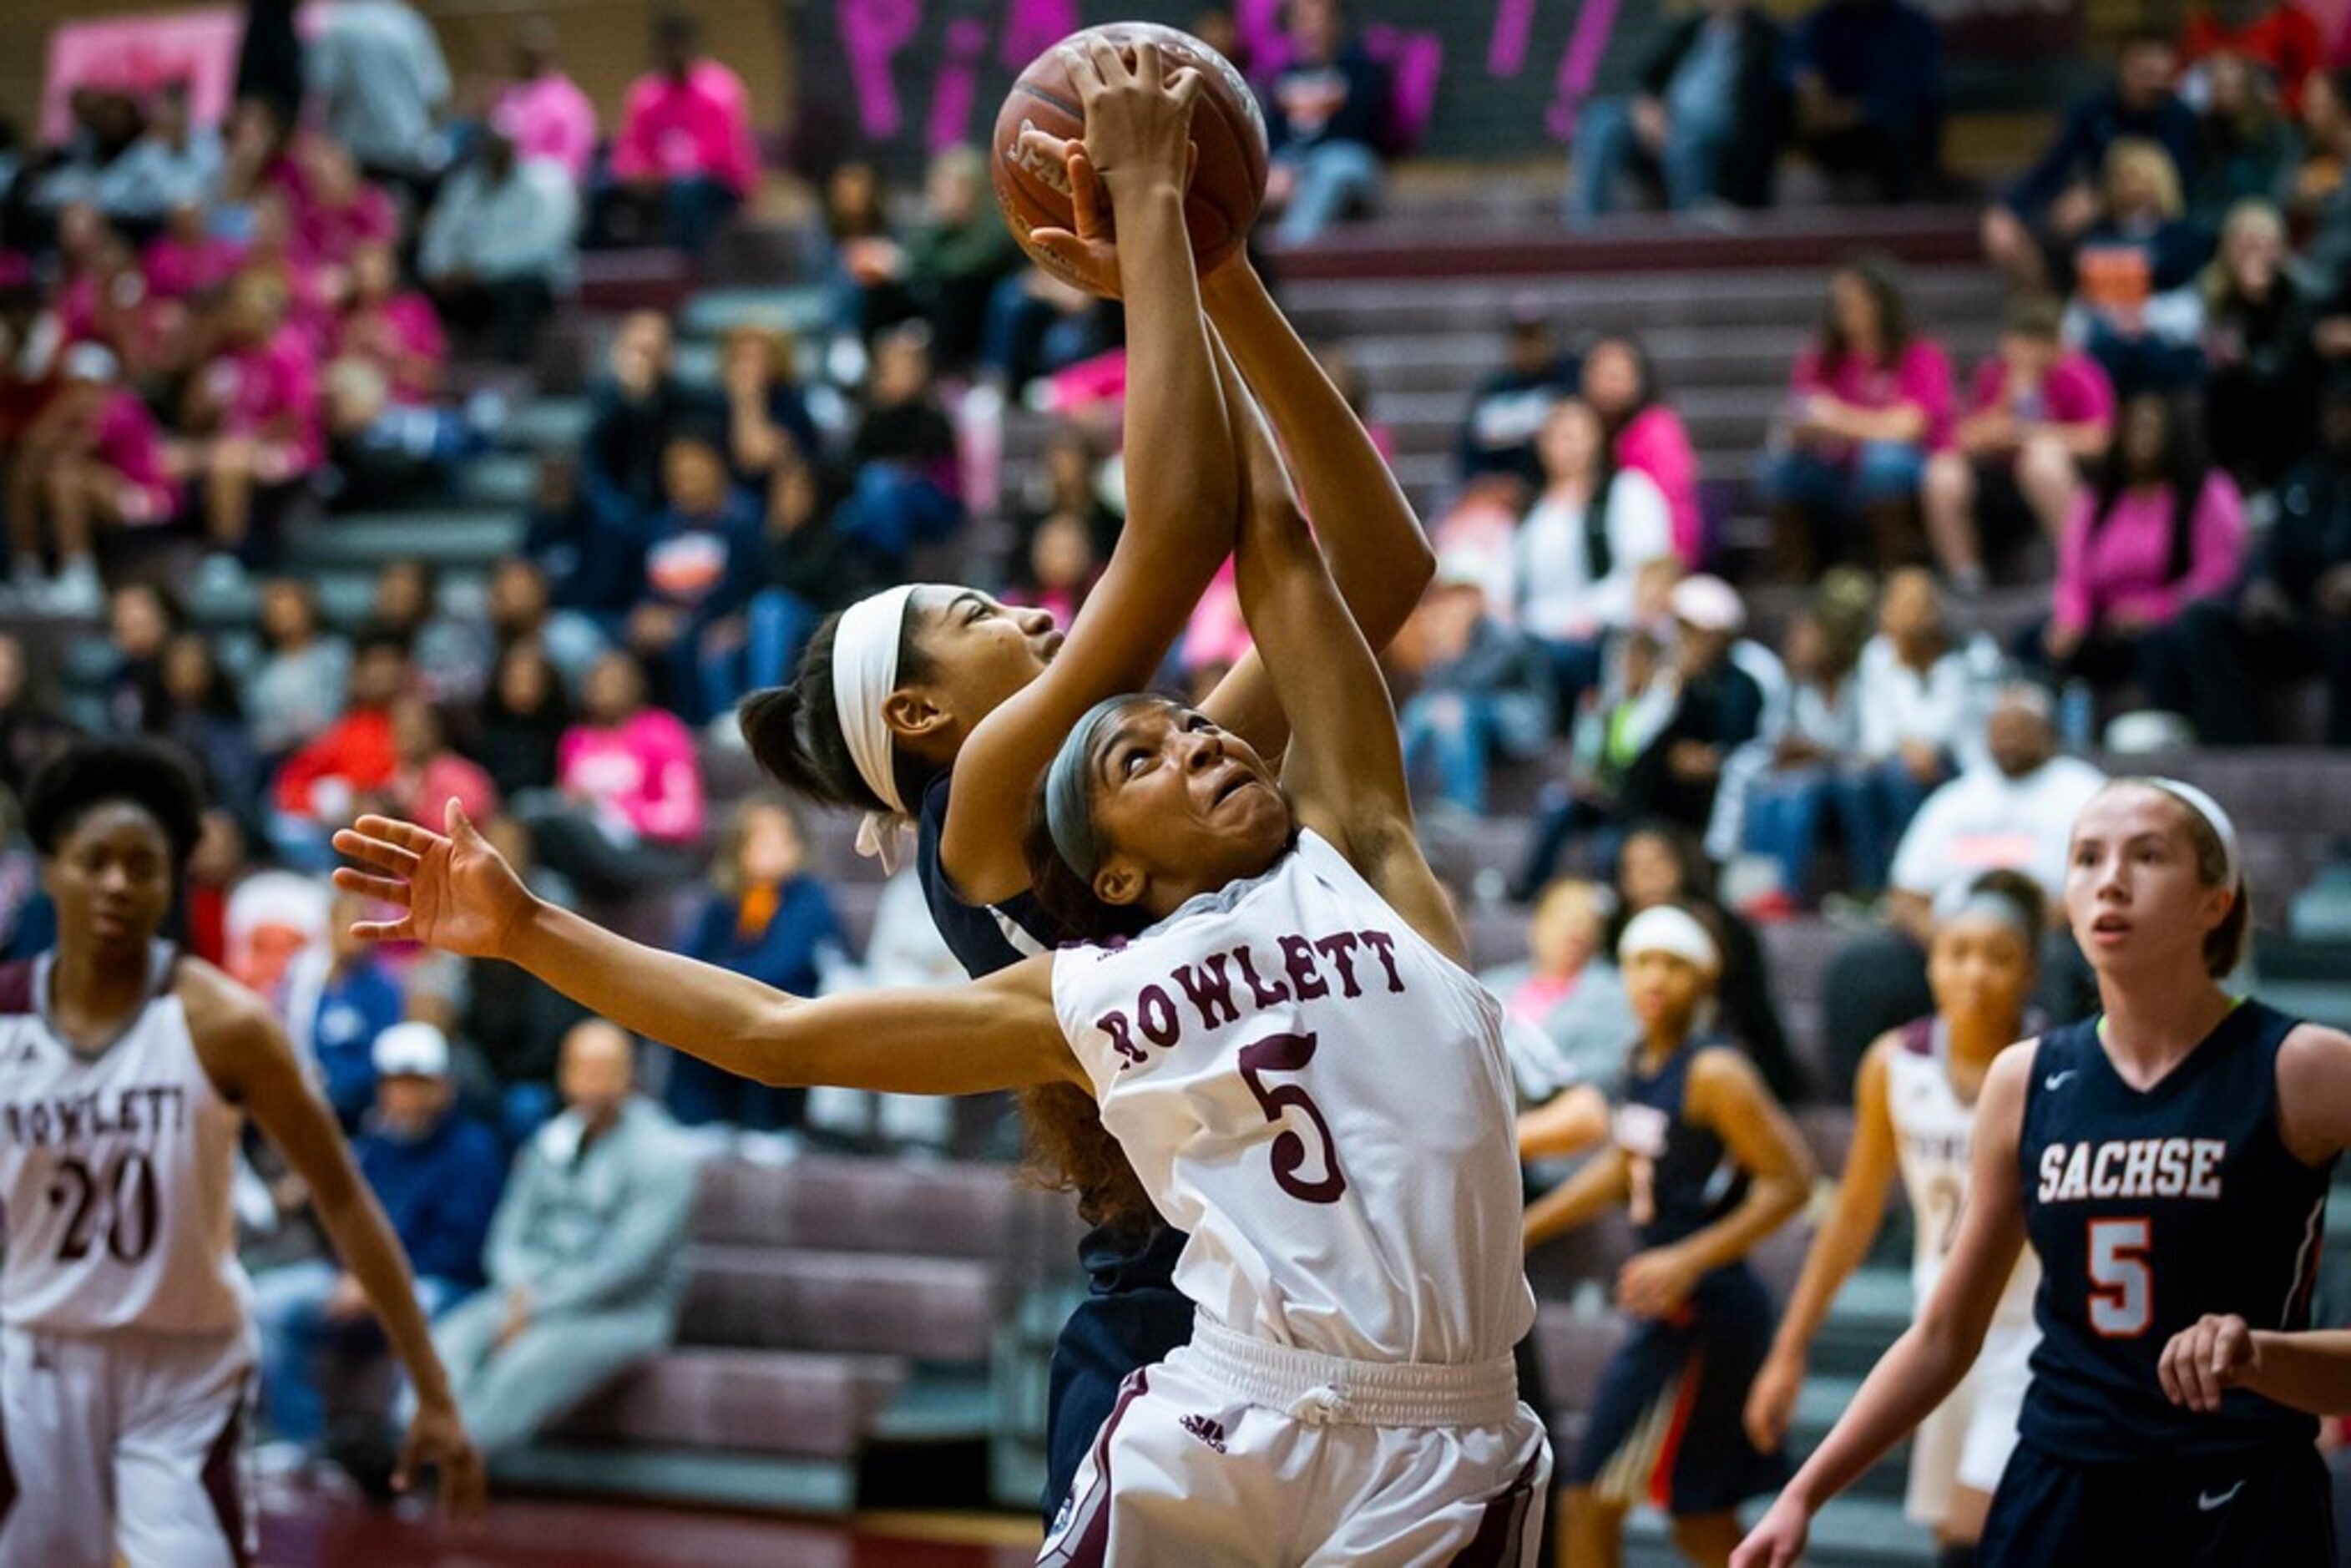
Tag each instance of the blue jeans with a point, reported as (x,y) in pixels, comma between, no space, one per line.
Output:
(1879,471)
(700,1094)
(1875,803)
(777,626)
(1783,822)
(1460,731)
(1332,177)
(290,1308)
(1607,148)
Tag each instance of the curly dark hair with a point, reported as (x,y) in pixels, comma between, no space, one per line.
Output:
(88,774)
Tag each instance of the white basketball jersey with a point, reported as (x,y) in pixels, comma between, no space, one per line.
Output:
(1321,1099)
(115,1171)
(1933,1132)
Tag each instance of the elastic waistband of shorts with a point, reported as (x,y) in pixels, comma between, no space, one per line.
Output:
(1329,1390)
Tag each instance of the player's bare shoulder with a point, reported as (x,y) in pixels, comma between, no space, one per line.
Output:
(229,1025)
(2314,1085)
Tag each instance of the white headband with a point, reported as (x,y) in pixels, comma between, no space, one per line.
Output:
(1665,928)
(865,673)
(2232,867)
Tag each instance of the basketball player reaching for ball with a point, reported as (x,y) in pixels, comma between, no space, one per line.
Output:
(1914,1114)
(939,705)
(1285,1046)
(2169,1160)
(1709,1166)
(126,1072)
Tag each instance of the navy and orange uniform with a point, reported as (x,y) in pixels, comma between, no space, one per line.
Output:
(2150,1209)
(1667,1422)
(1132,1315)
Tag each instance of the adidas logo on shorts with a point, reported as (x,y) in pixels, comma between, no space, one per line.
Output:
(1208,1430)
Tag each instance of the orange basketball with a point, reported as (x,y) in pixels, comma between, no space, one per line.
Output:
(1228,129)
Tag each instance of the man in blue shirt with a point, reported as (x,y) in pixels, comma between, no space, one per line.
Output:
(1325,114)
(1868,81)
(1706,121)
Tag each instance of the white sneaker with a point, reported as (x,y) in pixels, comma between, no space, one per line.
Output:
(76,594)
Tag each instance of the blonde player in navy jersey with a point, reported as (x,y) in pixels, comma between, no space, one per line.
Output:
(2169,1160)
(1285,1046)
(126,1073)
(1914,1116)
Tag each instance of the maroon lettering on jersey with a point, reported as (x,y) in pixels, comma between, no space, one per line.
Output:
(16,988)
(1297,960)
(1209,988)
(1340,949)
(1382,944)
(1265,995)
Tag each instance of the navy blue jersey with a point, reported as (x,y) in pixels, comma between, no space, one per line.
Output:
(2149,1211)
(1683,1178)
(984,938)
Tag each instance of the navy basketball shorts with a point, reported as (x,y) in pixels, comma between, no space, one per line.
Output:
(2270,1507)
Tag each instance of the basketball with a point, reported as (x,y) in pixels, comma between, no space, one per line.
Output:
(1228,129)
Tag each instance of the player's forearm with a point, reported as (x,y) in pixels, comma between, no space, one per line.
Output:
(1836,1251)
(1569,1124)
(1771,1203)
(1908,1381)
(1379,556)
(1598,1185)
(2310,1371)
(363,1240)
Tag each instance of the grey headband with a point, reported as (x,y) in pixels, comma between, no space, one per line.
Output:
(1069,816)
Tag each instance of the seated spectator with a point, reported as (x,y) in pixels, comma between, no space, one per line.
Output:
(908,490)
(1718,704)
(701,564)
(340,212)
(2246,149)
(92,459)
(515,1022)
(1704,126)
(523,714)
(143,619)
(1580,546)
(811,569)
(1060,569)
(1780,792)
(33,727)
(389,437)
(685,158)
(1867,402)
(2277,36)
(1038,326)
(395,330)
(379,84)
(274,251)
(521,609)
(767,419)
(590,558)
(2293,618)
(2037,412)
(1921,700)
(1068,479)
(859,247)
(1645,435)
(317,788)
(1485,692)
(541,112)
(252,417)
(585,1256)
(1326,113)
(2324,189)
(637,409)
(498,245)
(1565,1002)
(2014,811)
(104,123)
(449,654)
(2136,306)
(174,161)
(766,915)
(297,689)
(436,1174)
(187,261)
(204,717)
(955,256)
(627,805)
(2257,358)
(2161,530)
(430,773)
(1868,77)
(343,997)
(1508,410)
(2046,212)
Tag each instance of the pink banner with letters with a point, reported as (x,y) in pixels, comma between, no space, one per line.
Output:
(138,55)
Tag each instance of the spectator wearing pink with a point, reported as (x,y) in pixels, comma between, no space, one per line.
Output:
(2162,529)
(397,330)
(685,145)
(1645,435)
(542,111)
(627,803)
(186,261)
(93,458)
(344,212)
(276,251)
(426,774)
(1868,404)
(2012,466)
(252,412)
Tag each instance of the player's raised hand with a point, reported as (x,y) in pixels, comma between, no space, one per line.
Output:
(1138,116)
(1778,1539)
(2207,1359)
(1085,252)
(436,1438)
(458,892)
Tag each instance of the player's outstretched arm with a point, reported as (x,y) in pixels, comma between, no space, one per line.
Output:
(1379,556)
(1837,1249)
(1567,1123)
(459,895)
(1181,488)
(1599,1184)
(247,1056)
(1927,1362)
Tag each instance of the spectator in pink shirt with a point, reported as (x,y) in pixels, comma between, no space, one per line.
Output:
(684,158)
(2037,412)
(542,111)
(252,412)
(395,330)
(2162,529)
(1621,386)
(93,459)
(343,213)
(186,260)
(1868,404)
(427,772)
(627,803)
